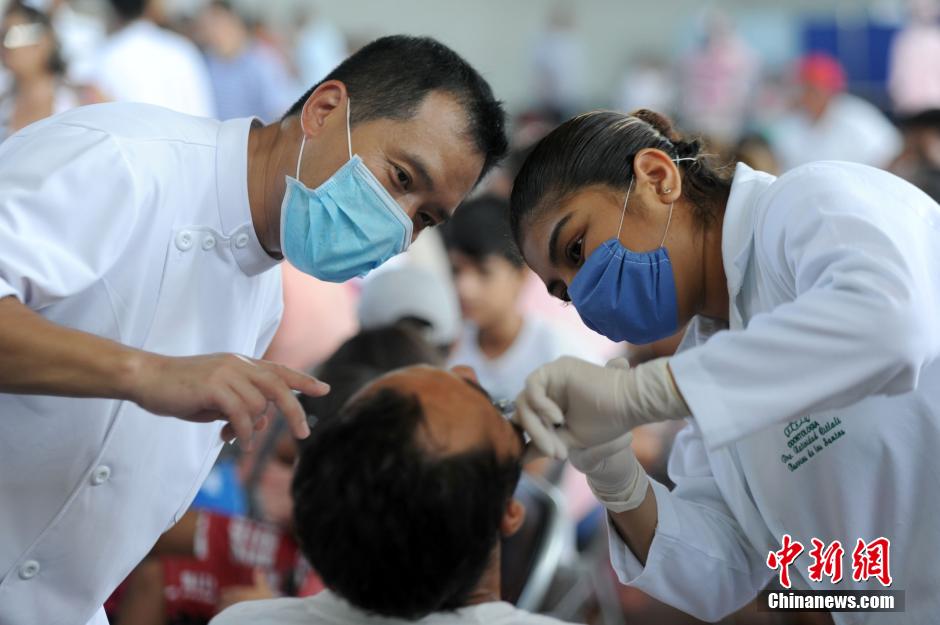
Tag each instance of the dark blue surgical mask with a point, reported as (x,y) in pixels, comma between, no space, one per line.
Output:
(628,296)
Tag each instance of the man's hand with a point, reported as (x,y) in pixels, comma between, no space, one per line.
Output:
(571,401)
(225,387)
(43,358)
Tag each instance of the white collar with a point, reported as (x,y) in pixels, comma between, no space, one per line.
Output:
(231,164)
(737,232)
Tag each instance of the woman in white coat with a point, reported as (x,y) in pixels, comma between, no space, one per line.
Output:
(808,374)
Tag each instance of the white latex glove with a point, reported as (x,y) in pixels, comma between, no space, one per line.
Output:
(612,471)
(593,405)
(615,476)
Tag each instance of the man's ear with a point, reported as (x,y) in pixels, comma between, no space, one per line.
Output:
(513,517)
(328,99)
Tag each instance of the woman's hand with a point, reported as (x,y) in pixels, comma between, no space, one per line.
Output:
(571,402)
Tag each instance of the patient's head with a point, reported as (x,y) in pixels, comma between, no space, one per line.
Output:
(401,499)
(358,361)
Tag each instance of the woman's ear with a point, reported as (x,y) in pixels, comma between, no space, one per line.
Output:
(657,176)
(330,98)
(513,517)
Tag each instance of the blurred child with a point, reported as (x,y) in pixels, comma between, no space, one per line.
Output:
(501,344)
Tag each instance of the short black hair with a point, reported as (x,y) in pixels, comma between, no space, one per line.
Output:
(129,10)
(480,228)
(390,78)
(390,527)
(384,348)
(364,357)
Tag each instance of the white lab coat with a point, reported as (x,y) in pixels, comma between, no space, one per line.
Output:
(834,279)
(130,222)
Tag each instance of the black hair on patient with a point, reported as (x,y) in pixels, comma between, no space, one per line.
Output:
(364,357)
(391,528)
(390,78)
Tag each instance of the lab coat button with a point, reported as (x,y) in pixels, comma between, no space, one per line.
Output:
(241,240)
(184,240)
(29,569)
(208,243)
(100,475)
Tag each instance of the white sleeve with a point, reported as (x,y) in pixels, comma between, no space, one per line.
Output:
(68,205)
(699,560)
(857,258)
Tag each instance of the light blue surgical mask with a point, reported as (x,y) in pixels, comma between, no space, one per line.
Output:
(628,296)
(344,228)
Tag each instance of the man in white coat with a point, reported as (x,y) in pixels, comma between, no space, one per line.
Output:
(135,240)
(810,371)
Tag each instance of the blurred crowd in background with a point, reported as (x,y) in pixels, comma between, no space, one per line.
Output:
(867,90)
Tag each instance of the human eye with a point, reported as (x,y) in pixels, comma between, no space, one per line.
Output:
(425,220)
(574,253)
(404,180)
(559,291)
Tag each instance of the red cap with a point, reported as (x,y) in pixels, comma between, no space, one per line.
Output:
(822,71)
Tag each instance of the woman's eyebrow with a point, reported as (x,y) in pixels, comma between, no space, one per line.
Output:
(553,239)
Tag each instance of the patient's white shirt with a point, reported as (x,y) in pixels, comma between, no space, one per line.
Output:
(328,608)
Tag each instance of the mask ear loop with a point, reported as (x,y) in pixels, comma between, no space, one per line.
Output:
(349,126)
(671,206)
(303,142)
(623,213)
(668,221)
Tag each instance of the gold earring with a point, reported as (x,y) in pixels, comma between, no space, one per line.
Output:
(666,190)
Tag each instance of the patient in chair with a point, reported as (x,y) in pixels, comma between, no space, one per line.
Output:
(401,500)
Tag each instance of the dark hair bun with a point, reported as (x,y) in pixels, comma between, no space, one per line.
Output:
(685,148)
(660,122)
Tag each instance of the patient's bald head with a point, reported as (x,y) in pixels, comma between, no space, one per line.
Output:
(403,496)
(459,415)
